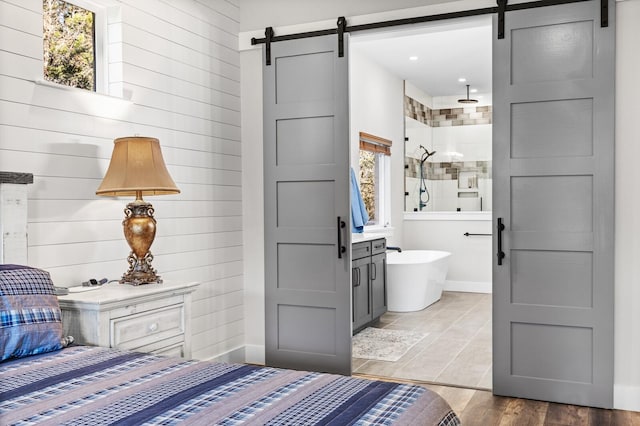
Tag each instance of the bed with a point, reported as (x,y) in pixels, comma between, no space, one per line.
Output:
(44,379)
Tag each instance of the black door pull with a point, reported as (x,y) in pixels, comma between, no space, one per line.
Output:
(341,248)
(501,254)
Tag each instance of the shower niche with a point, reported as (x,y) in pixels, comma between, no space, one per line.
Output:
(447,153)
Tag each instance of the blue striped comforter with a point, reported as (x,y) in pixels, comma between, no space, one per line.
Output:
(96,386)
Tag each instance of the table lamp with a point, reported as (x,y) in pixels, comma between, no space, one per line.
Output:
(137,168)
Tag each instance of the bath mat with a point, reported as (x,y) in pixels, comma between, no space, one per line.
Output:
(383,344)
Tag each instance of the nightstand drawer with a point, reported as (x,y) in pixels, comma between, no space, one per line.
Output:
(141,329)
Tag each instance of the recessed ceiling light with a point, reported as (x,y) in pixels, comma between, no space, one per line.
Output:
(474,90)
(413,58)
(462,80)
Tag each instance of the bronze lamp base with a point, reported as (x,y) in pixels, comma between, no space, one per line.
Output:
(139,231)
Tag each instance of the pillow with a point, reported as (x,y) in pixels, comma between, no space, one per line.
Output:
(30,317)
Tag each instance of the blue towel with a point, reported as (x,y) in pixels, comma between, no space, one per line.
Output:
(359,216)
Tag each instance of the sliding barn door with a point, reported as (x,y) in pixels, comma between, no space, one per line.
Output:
(553,192)
(307,222)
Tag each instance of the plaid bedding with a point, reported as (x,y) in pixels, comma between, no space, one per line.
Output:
(90,386)
(30,318)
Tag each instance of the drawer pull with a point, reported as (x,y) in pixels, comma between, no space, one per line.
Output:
(153,327)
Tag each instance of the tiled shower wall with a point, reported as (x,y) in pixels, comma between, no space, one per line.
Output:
(443,118)
(450,184)
(418,111)
(447,170)
(464,116)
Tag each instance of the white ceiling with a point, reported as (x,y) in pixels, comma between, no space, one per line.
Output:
(446,51)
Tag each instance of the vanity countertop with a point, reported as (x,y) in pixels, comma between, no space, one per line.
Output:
(367,236)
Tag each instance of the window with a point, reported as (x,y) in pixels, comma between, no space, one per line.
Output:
(368,163)
(374,177)
(73,34)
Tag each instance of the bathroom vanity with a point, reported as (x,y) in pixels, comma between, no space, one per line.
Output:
(368,282)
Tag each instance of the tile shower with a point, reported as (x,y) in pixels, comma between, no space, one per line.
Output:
(458,177)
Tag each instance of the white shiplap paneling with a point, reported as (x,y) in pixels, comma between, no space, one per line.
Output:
(177,64)
(16,16)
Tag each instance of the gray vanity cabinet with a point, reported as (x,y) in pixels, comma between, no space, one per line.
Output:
(368,281)
(379,284)
(361,299)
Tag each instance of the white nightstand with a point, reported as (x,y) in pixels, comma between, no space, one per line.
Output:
(148,318)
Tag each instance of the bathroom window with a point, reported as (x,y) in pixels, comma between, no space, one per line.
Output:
(74,35)
(374,177)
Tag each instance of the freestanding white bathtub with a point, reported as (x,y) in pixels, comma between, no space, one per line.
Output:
(415,279)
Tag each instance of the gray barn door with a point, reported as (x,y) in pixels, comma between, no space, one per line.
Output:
(553,189)
(306,179)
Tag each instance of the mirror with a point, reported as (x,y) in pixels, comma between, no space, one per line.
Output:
(447,152)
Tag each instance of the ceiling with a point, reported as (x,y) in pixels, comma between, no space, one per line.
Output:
(445,51)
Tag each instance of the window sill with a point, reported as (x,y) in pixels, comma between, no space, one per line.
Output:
(46,83)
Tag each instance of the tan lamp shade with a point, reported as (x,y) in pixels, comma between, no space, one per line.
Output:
(137,166)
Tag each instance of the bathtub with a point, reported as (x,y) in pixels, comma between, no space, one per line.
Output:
(415,279)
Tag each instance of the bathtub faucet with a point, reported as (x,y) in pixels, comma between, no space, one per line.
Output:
(394,248)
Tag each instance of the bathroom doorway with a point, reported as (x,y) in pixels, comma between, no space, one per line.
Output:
(440,190)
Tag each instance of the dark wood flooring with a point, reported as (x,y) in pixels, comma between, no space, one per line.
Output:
(481,408)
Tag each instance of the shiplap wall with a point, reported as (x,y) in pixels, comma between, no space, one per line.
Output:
(177,64)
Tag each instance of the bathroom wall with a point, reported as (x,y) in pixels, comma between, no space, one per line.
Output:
(461,137)
(378,112)
(470,262)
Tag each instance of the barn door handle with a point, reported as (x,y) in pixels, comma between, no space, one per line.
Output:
(500,252)
(341,248)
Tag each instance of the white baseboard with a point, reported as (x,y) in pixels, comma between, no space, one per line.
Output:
(237,355)
(254,354)
(626,397)
(468,286)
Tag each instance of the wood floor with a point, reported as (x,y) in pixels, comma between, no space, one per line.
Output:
(481,408)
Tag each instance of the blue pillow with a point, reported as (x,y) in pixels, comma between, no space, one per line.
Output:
(30,318)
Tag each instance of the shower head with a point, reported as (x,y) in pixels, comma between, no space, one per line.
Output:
(467,100)
(426,154)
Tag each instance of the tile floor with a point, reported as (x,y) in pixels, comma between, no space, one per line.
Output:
(456,351)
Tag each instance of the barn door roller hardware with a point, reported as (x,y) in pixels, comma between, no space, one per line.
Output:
(342,26)
(501,9)
(268,35)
